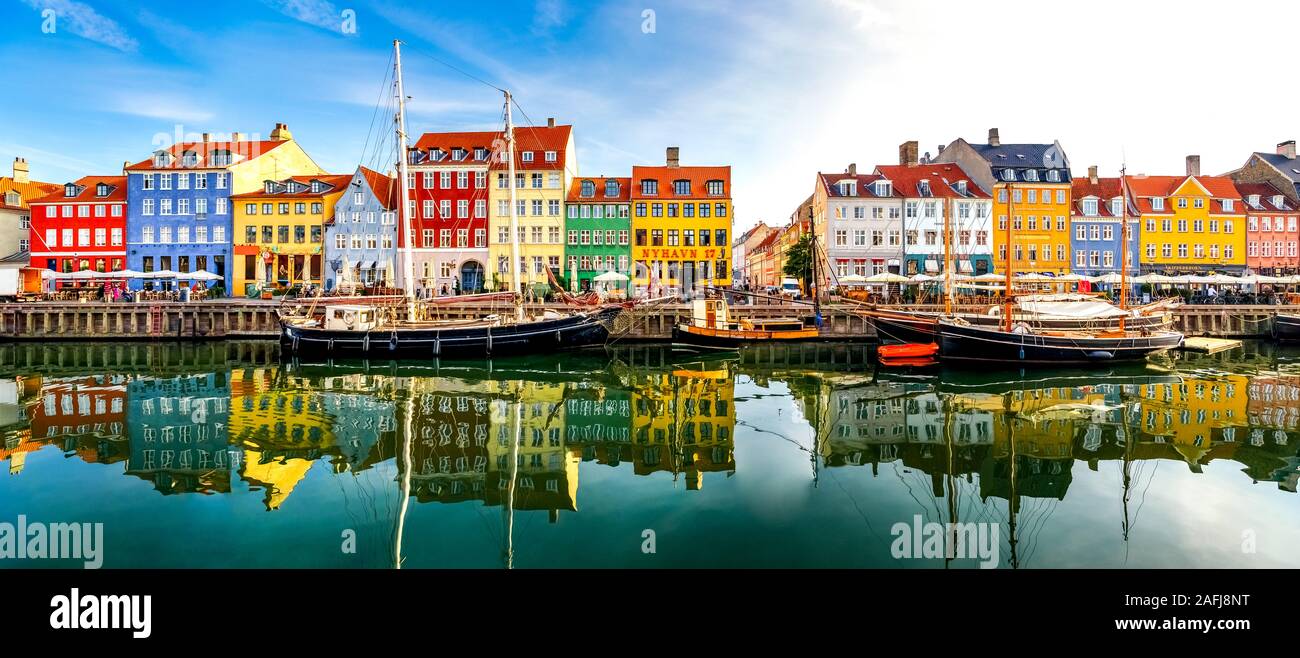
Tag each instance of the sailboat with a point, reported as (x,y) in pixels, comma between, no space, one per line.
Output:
(367,328)
(1021,344)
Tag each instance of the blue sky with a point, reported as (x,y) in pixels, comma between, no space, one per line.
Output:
(778,89)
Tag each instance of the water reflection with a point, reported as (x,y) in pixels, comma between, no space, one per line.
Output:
(520,436)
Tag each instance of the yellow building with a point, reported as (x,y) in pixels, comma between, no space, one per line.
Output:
(684,422)
(1030,184)
(681,227)
(546,477)
(545,164)
(1194,414)
(279,230)
(1189,224)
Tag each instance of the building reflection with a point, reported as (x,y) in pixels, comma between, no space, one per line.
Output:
(177,428)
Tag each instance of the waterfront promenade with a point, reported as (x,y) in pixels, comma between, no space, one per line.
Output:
(246,318)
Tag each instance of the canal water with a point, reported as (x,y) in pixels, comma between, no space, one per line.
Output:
(219,455)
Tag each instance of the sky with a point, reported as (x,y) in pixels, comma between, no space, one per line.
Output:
(778,89)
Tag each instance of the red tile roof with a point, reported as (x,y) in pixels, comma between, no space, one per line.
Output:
(698,177)
(1266,193)
(335,182)
(624,190)
(248,149)
(942,176)
(831,182)
(469,141)
(116,192)
(26,191)
(1104,190)
(538,140)
(1144,188)
(384,187)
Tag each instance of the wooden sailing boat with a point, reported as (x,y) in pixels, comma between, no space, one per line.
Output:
(360,328)
(1021,344)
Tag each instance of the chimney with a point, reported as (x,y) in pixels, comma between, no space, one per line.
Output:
(1193,165)
(21,171)
(207,137)
(281,133)
(673,156)
(994,139)
(907,153)
(236,137)
(1092,174)
(550,122)
(853,169)
(1287,149)
(941,148)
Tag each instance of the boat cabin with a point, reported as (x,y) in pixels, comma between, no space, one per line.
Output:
(351,317)
(715,314)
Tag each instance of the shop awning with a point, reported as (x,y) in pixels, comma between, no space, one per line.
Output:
(931,266)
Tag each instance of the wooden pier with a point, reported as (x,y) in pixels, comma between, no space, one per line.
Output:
(231,319)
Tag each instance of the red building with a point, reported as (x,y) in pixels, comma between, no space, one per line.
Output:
(447,179)
(82,226)
(1272,230)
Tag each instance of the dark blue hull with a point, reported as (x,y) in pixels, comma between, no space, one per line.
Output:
(959,343)
(539,337)
(1286,327)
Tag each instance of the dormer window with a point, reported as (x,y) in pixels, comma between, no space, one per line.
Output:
(884,188)
(12,198)
(190,159)
(1008,175)
(682,187)
(1227,205)
(269,187)
(101,190)
(923,188)
(961,187)
(550,156)
(1031,175)
(480,154)
(458,154)
(1157,203)
(437,155)
(588,188)
(1053,176)
(611,188)
(69,190)
(161,160)
(847,188)
(527,156)
(221,158)
(1090,207)
(1277,201)
(1115,207)
(317,187)
(650,187)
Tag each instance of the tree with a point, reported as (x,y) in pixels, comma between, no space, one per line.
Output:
(799,261)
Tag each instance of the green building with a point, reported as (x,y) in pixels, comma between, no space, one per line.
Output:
(597,228)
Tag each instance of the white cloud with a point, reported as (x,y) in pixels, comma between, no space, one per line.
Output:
(548,15)
(159,106)
(82,20)
(321,13)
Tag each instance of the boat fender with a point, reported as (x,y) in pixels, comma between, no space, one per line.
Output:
(295,343)
(365,342)
(1022,352)
(437,344)
(489,341)
(392,342)
(1100,355)
(349,318)
(330,345)
(558,338)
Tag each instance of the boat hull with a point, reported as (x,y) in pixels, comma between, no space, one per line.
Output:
(722,339)
(898,327)
(1286,327)
(538,337)
(971,344)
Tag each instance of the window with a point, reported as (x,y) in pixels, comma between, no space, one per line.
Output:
(1157,203)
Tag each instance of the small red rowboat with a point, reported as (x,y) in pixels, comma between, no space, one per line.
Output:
(908,354)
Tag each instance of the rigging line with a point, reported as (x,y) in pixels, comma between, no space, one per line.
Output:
(453,67)
(533,127)
(383,87)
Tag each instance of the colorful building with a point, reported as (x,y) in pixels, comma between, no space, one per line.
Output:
(681,226)
(598,230)
(177,430)
(280,231)
(81,227)
(1030,184)
(15,216)
(1191,224)
(447,179)
(1281,169)
(1271,229)
(760,261)
(929,193)
(859,224)
(1096,232)
(741,250)
(361,235)
(545,163)
(178,200)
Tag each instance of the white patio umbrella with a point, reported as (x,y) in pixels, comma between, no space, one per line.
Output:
(887,277)
(1035,277)
(1154,278)
(990,276)
(1072,277)
(1111,278)
(162,274)
(202,275)
(927,278)
(611,277)
(853,279)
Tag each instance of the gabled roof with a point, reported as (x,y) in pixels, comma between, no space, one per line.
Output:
(1267,197)
(1021,159)
(766,243)
(1104,189)
(697,176)
(1144,188)
(26,191)
(538,140)
(943,179)
(384,188)
(241,151)
(333,182)
(834,183)
(1290,167)
(86,187)
(624,190)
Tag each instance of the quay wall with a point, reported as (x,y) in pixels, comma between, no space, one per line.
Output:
(253,319)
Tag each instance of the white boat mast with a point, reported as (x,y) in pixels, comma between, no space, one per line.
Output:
(515,266)
(408,266)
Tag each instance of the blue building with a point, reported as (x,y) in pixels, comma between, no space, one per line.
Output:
(362,236)
(1095,227)
(177,431)
(178,201)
